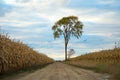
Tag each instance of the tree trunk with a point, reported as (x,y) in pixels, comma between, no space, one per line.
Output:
(66,51)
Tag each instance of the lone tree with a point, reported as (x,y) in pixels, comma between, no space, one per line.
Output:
(67,26)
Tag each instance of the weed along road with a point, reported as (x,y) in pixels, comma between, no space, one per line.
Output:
(60,71)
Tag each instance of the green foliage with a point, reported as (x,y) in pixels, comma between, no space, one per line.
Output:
(100,68)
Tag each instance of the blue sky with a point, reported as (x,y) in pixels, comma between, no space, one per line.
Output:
(31,20)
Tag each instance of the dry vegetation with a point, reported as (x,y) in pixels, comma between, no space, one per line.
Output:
(105,56)
(102,61)
(15,55)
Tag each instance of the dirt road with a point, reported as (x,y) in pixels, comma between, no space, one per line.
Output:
(60,71)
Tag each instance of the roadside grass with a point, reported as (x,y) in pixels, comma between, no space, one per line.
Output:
(100,68)
(112,69)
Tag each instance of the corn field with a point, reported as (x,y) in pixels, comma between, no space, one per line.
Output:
(104,56)
(15,55)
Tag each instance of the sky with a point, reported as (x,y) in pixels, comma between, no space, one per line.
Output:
(30,21)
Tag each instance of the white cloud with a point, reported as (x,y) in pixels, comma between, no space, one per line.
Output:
(53,10)
(37,4)
(100,34)
(17,23)
(109,2)
(18,37)
(23,37)
(53,53)
(33,12)
(100,17)
(77,45)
